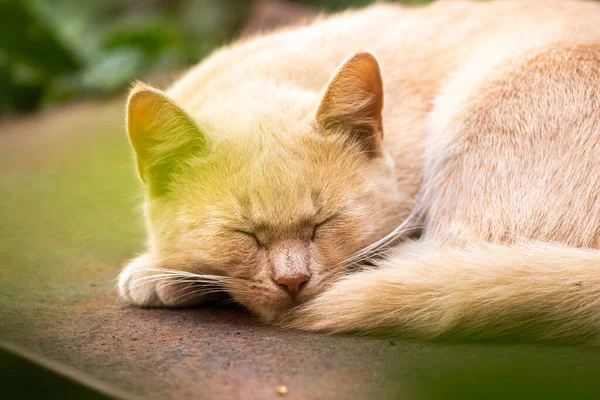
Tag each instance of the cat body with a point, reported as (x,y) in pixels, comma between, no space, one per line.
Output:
(281,161)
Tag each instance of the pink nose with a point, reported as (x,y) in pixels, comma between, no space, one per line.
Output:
(293,283)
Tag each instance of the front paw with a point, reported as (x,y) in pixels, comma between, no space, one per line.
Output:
(146,284)
(137,283)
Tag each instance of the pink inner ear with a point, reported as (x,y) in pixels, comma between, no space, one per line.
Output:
(163,136)
(353,100)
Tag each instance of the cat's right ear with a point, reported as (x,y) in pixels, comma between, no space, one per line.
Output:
(353,102)
(163,136)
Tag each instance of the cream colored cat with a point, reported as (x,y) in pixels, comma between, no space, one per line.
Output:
(274,176)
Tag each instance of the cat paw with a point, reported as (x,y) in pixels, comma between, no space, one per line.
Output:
(143,283)
(137,286)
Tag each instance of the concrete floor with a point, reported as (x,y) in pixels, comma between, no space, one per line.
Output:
(69,219)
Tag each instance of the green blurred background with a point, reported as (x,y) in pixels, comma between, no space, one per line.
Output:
(58,50)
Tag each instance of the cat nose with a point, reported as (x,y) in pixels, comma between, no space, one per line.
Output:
(292,283)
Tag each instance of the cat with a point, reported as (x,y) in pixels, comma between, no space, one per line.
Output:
(294,169)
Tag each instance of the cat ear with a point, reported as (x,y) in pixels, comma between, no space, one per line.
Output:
(163,136)
(353,101)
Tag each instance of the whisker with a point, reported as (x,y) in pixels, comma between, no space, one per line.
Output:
(181,280)
(115,280)
(387,239)
(193,294)
(384,248)
(146,280)
(181,272)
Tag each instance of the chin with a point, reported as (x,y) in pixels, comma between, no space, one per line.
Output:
(274,311)
(270,313)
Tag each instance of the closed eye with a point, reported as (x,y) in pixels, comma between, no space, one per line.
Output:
(249,235)
(316,227)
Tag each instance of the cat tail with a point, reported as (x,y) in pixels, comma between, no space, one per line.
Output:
(530,291)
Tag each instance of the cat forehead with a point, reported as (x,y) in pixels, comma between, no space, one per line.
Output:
(256,109)
(266,151)
(271,183)
(281,181)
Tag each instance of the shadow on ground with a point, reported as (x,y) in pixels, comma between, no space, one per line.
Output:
(69,219)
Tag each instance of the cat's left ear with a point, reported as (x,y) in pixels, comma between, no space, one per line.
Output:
(164,137)
(353,102)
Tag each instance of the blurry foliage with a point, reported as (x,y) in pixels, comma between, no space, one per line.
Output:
(54,50)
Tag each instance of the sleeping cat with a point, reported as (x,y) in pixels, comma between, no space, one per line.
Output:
(289,171)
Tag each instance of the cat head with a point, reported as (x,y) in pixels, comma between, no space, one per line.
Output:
(280,213)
